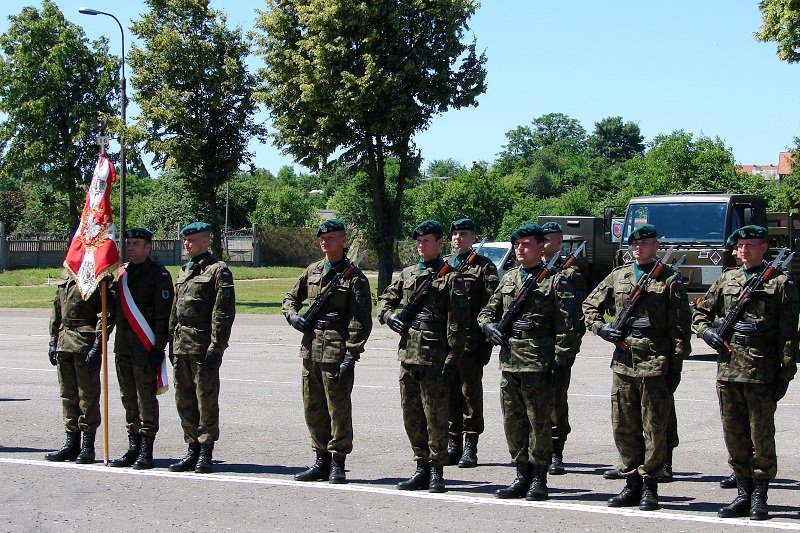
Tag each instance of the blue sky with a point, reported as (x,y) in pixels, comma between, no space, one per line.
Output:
(665,65)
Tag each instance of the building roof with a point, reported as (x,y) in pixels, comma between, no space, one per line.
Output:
(785,163)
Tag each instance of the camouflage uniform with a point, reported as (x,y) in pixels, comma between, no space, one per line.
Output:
(436,338)
(201,320)
(342,326)
(764,351)
(659,338)
(466,385)
(150,286)
(540,339)
(560,418)
(77,324)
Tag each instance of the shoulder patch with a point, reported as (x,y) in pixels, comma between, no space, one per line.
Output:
(165,294)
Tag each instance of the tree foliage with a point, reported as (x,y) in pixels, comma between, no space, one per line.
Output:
(780,23)
(285,206)
(195,95)
(616,141)
(53,85)
(355,81)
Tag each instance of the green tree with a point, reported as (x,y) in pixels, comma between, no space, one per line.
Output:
(356,80)
(780,23)
(283,205)
(787,195)
(448,168)
(616,141)
(543,143)
(53,83)
(195,95)
(167,204)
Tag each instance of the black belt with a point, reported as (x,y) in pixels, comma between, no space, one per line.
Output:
(531,333)
(424,321)
(77,322)
(750,340)
(650,333)
(329,324)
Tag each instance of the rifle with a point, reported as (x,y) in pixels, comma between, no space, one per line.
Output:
(531,282)
(621,320)
(730,319)
(473,254)
(573,256)
(329,289)
(414,301)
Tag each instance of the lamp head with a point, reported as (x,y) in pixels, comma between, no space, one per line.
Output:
(88,11)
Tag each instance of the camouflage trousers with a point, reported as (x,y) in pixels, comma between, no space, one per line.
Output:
(640,409)
(80,392)
(527,401)
(466,396)
(748,425)
(327,407)
(138,382)
(560,417)
(197,398)
(672,427)
(423,397)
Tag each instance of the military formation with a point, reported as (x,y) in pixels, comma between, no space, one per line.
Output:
(449,312)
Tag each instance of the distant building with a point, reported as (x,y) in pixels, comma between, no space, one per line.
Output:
(771,172)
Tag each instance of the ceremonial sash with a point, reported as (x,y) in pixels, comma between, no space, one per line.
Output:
(140,327)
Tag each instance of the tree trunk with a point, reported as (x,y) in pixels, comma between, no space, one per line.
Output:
(216,241)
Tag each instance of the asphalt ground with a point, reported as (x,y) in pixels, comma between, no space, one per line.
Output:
(264,442)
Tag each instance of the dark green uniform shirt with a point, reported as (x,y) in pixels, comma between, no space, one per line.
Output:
(77,322)
(481,280)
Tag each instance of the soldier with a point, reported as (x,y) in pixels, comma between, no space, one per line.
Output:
(333,340)
(466,384)
(428,352)
(200,325)
(532,361)
(754,367)
(75,348)
(647,363)
(553,238)
(143,292)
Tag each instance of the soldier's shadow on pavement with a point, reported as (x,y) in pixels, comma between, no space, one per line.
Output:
(707,357)
(241,468)
(15,399)
(575,494)
(17,449)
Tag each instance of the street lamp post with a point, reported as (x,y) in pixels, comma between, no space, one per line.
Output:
(122,105)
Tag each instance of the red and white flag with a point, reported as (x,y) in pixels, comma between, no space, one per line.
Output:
(140,326)
(93,250)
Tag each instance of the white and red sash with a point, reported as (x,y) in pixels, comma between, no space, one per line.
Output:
(140,326)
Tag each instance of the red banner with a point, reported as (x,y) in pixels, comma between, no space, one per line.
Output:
(93,250)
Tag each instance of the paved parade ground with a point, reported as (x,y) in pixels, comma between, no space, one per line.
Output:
(264,441)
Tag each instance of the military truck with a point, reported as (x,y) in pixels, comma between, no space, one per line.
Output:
(697,224)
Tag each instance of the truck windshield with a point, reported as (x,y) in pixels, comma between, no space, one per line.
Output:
(496,253)
(680,222)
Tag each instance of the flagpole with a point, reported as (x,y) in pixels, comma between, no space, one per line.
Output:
(104,320)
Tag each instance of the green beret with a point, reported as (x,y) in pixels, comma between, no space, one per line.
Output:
(748,232)
(551,227)
(730,243)
(462,224)
(528,230)
(332,224)
(426,227)
(139,233)
(645,231)
(195,227)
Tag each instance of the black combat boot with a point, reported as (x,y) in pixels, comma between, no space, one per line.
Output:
(740,506)
(630,495)
(86,457)
(469,459)
(129,457)
(758,500)
(420,479)
(69,451)
(337,476)
(203,465)
(538,490)
(520,485)
(557,463)
(612,473)
(649,501)
(436,478)
(145,459)
(188,461)
(666,475)
(728,482)
(319,471)
(454,448)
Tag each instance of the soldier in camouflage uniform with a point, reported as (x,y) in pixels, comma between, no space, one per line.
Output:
(646,374)
(757,361)
(466,384)
(149,286)
(333,340)
(200,324)
(75,348)
(553,238)
(428,352)
(532,360)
